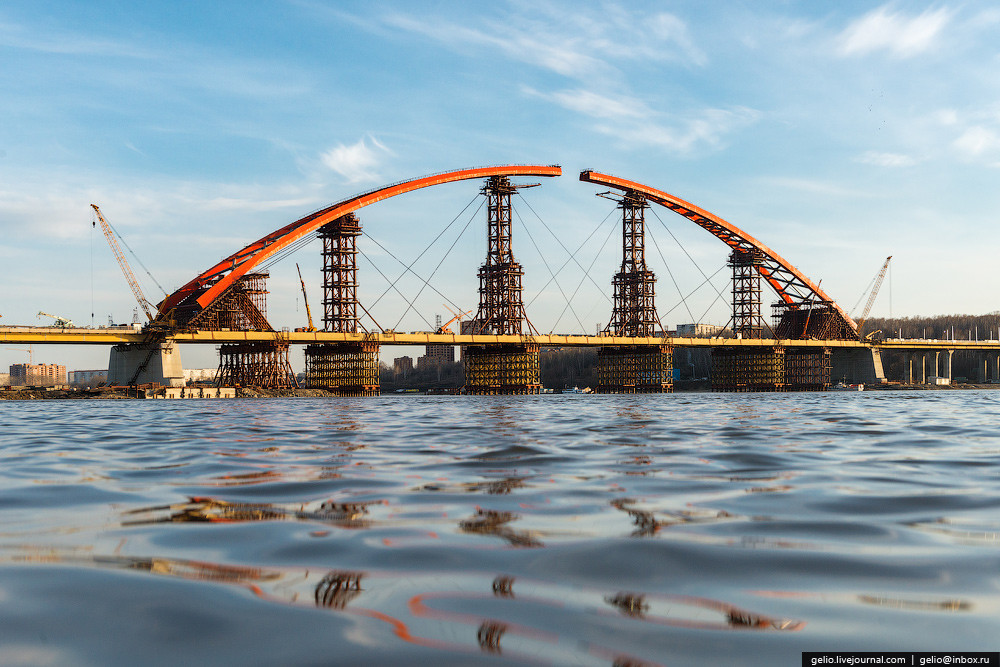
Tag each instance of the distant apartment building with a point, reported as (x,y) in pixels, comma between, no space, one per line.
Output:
(91,377)
(402,365)
(37,375)
(200,375)
(700,330)
(4,379)
(437,354)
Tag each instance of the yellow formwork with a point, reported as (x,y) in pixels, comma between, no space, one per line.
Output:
(502,369)
(634,370)
(347,369)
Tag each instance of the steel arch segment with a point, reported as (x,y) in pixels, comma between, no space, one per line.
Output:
(241,262)
(775,265)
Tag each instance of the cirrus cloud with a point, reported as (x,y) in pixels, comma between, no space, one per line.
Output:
(901,35)
(358,162)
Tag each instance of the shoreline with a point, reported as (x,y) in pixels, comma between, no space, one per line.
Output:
(257,392)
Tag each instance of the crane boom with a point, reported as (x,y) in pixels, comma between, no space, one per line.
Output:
(122,262)
(305,298)
(871,297)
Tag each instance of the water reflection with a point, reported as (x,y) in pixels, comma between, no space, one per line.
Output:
(488,635)
(214,510)
(337,589)
(493,522)
(917,605)
(647,524)
(422,612)
(494,487)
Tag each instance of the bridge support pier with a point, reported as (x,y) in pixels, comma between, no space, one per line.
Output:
(771,369)
(807,369)
(634,370)
(143,363)
(346,369)
(857,365)
(508,369)
(258,364)
(748,369)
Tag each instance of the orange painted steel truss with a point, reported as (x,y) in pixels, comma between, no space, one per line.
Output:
(211,283)
(791,285)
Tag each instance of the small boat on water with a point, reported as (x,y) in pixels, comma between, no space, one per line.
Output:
(840,386)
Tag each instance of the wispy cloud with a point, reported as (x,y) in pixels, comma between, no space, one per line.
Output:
(635,123)
(887,159)
(49,40)
(902,35)
(577,44)
(358,162)
(977,141)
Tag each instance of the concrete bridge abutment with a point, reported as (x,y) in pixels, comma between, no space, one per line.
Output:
(145,363)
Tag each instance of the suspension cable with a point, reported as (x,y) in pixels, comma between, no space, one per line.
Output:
(572,256)
(599,251)
(407,268)
(579,248)
(447,252)
(681,246)
(392,285)
(672,279)
(417,275)
(678,304)
(549,269)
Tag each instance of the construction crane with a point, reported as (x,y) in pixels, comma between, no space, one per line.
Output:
(444,327)
(122,262)
(60,321)
(305,298)
(874,293)
(31,358)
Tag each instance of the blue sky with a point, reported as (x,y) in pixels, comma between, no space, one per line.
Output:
(837,133)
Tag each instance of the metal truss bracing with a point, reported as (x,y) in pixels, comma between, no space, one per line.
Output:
(243,307)
(340,274)
(790,284)
(747,320)
(634,311)
(507,369)
(501,308)
(807,369)
(347,369)
(748,369)
(770,369)
(819,321)
(258,364)
(634,370)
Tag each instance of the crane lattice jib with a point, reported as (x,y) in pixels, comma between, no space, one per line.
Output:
(792,287)
(123,263)
(207,286)
(871,297)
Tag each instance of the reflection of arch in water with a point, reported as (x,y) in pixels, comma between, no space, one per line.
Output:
(341,590)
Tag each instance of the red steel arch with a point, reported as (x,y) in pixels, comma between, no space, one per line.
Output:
(791,284)
(208,285)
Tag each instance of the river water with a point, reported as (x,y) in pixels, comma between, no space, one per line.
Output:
(683,529)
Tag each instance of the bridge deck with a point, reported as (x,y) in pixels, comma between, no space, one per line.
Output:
(116,335)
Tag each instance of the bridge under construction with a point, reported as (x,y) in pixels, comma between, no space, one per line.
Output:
(226,305)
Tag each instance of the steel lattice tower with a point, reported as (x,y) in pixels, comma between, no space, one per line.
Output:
(501,309)
(634,312)
(340,274)
(747,320)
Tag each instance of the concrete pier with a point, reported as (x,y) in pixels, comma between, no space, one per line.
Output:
(142,363)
